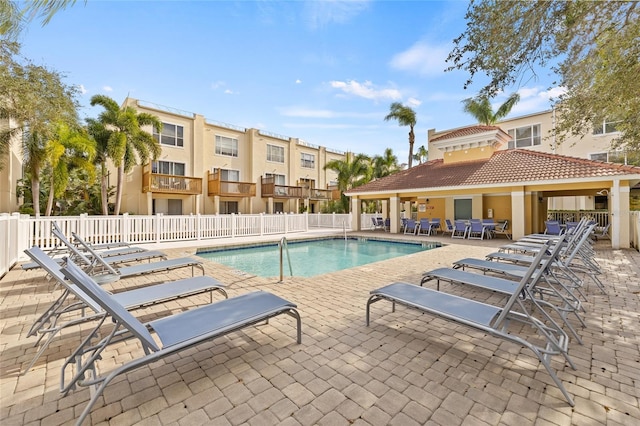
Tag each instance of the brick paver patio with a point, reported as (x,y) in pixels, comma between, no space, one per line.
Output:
(407,368)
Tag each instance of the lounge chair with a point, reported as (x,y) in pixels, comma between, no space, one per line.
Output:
(175,333)
(434,226)
(103,271)
(545,286)
(494,320)
(49,322)
(425,226)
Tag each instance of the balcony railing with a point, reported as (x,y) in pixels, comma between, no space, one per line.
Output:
(271,189)
(317,194)
(170,184)
(226,188)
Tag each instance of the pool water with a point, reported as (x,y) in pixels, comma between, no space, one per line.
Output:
(313,257)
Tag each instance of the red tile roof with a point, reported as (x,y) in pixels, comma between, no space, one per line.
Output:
(466,131)
(507,166)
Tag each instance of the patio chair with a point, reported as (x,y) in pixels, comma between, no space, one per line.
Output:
(502,228)
(49,322)
(377,223)
(602,233)
(387,224)
(476,230)
(411,227)
(552,227)
(425,226)
(434,226)
(494,320)
(175,333)
(459,230)
(489,227)
(448,229)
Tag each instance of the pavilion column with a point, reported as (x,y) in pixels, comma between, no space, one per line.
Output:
(356,213)
(385,208)
(517,214)
(619,202)
(394,215)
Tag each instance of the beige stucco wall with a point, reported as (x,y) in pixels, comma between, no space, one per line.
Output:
(198,155)
(9,175)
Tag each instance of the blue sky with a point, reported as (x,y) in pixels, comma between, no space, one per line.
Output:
(323,71)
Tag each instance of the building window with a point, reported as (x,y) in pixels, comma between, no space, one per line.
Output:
(171,135)
(230,175)
(168,168)
(308,161)
(526,136)
(277,179)
(275,153)
(228,207)
(226,146)
(605,127)
(599,156)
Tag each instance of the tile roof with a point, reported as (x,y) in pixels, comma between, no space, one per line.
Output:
(507,166)
(466,131)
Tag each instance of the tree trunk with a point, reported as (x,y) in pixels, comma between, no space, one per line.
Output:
(50,200)
(35,195)
(119,190)
(412,138)
(104,191)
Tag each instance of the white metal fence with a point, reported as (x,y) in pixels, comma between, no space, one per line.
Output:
(18,232)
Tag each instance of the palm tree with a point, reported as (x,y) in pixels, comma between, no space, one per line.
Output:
(406,117)
(385,165)
(12,16)
(353,171)
(126,138)
(422,155)
(69,148)
(480,108)
(100,135)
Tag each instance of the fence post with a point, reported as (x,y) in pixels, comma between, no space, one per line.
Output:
(261,215)
(306,221)
(125,229)
(82,227)
(286,223)
(158,223)
(198,226)
(233,225)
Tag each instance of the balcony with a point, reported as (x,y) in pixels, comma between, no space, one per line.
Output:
(317,194)
(226,188)
(271,189)
(170,184)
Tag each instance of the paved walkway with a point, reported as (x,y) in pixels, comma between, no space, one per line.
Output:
(407,368)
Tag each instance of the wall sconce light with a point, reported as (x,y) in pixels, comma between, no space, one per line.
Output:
(539,199)
(427,201)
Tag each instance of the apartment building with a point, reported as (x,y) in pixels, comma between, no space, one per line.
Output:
(11,172)
(209,167)
(537,132)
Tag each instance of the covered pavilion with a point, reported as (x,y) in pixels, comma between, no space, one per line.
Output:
(476,179)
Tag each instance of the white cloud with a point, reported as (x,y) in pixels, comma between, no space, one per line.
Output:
(298,81)
(366,90)
(535,99)
(413,102)
(422,58)
(82,89)
(322,13)
(228,92)
(107,88)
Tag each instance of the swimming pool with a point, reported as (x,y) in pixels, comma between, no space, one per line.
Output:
(313,257)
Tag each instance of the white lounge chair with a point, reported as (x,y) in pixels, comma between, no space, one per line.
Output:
(175,333)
